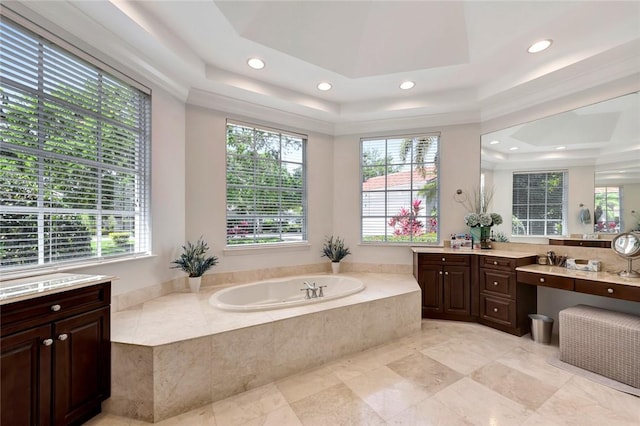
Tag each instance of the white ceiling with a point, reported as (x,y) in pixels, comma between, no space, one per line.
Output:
(468,59)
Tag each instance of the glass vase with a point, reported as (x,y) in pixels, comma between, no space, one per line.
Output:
(481,236)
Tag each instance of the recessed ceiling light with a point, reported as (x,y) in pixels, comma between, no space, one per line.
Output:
(539,46)
(514,148)
(560,148)
(255,63)
(324,86)
(494,142)
(407,85)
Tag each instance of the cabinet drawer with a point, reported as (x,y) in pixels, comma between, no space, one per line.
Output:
(618,291)
(501,283)
(545,280)
(445,259)
(494,262)
(40,310)
(502,311)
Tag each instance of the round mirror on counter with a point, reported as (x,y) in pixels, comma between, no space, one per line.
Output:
(627,245)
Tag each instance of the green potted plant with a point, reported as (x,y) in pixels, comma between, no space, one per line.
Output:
(335,250)
(195,262)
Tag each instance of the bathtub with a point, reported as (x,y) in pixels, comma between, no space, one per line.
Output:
(283,293)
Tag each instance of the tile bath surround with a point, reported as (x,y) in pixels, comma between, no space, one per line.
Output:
(176,352)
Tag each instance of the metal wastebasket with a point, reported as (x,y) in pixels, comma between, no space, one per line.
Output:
(541,328)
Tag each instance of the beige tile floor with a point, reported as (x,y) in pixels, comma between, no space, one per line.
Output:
(450,373)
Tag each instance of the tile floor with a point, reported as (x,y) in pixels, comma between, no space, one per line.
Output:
(450,373)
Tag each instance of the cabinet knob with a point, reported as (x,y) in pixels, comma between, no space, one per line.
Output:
(47,342)
(541,280)
(610,290)
(443,259)
(495,262)
(440,272)
(63,337)
(446,273)
(56,308)
(495,309)
(495,283)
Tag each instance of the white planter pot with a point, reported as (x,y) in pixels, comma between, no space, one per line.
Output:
(194,284)
(335,267)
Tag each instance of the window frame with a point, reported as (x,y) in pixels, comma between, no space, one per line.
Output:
(388,215)
(138,214)
(604,189)
(564,220)
(278,217)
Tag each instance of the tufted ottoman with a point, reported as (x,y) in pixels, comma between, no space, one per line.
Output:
(602,341)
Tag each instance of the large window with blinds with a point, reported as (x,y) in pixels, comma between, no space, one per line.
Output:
(539,203)
(399,192)
(266,186)
(74,155)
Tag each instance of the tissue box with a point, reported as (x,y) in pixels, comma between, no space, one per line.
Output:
(584,265)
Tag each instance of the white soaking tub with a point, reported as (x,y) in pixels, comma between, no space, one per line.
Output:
(284,292)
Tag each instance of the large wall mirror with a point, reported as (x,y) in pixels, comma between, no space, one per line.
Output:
(570,175)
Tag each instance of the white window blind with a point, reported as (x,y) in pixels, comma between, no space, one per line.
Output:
(399,193)
(539,203)
(74,157)
(266,186)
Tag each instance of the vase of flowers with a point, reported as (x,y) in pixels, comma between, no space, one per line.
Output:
(478,219)
(480,227)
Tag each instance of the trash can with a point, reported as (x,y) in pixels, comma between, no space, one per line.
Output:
(541,328)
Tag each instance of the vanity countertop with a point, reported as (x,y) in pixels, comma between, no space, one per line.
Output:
(30,287)
(497,253)
(602,276)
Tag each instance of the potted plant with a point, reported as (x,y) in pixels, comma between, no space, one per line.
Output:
(195,262)
(335,250)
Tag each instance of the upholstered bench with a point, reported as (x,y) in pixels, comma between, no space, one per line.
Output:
(602,341)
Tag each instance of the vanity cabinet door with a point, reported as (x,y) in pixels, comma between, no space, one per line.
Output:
(457,290)
(430,281)
(82,365)
(25,371)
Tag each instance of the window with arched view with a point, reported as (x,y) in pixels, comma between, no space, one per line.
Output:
(74,155)
(266,186)
(399,192)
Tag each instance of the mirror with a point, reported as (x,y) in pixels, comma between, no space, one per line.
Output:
(576,174)
(627,245)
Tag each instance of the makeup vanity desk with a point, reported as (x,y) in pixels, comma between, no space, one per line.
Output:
(606,284)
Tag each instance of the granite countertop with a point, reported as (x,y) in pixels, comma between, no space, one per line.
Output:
(497,253)
(602,276)
(41,285)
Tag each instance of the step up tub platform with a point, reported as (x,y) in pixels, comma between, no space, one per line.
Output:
(178,352)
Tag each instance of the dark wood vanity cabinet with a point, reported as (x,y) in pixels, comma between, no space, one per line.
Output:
(55,357)
(504,303)
(445,281)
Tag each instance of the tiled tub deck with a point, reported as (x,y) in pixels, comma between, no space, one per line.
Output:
(176,352)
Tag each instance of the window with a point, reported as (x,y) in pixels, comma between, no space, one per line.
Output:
(74,156)
(399,178)
(266,186)
(539,203)
(607,218)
